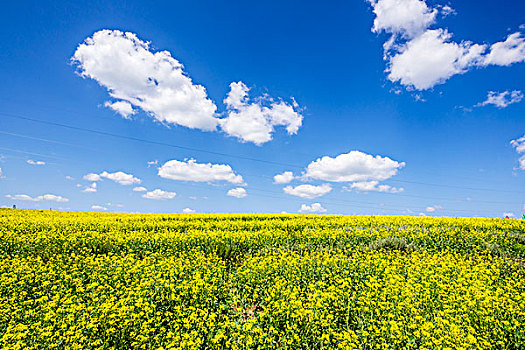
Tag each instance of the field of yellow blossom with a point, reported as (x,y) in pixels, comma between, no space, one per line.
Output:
(72,280)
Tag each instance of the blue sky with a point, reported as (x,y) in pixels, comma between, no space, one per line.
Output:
(366,107)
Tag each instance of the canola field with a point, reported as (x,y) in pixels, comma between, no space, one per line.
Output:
(72,280)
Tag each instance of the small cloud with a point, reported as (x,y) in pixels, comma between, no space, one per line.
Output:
(153,163)
(238,192)
(283,178)
(159,194)
(519,145)
(92,177)
(91,189)
(188,210)
(510,215)
(35,162)
(98,207)
(69,178)
(432,209)
(119,177)
(121,107)
(367,186)
(447,11)
(501,99)
(314,208)
(139,189)
(308,191)
(190,170)
(115,205)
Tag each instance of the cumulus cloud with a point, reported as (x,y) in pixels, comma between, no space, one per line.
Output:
(283,178)
(432,209)
(140,189)
(121,107)
(502,99)
(98,207)
(314,208)
(45,197)
(35,162)
(190,170)
(505,53)
(406,17)
(159,194)
(188,210)
(238,192)
(119,177)
(91,188)
(353,166)
(308,191)
(152,81)
(431,58)
(367,186)
(69,177)
(519,145)
(421,57)
(92,177)
(255,122)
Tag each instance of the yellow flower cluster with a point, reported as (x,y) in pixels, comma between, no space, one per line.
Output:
(71,280)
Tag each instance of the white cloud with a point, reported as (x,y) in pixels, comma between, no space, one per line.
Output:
(153,81)
(238,192)
(283,178)
(45,197)
(353,166)
(188,210)
(198,172)
(405,17)
(431,58)
(367,186)
(92,188)
(121,107)
(308,191)
(314,208)
(505,53)
(431,209)
(254,122)
(447,10)
(92,177)
(35,162)
(115,205)
(140,189)
(153,162)
(502,99)
(419,57)
(98,207)
(510,215)
(70,178)
(119,177)
(158,194)
(519,145)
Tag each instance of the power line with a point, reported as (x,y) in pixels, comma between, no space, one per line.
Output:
(452,186)
(103,133)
